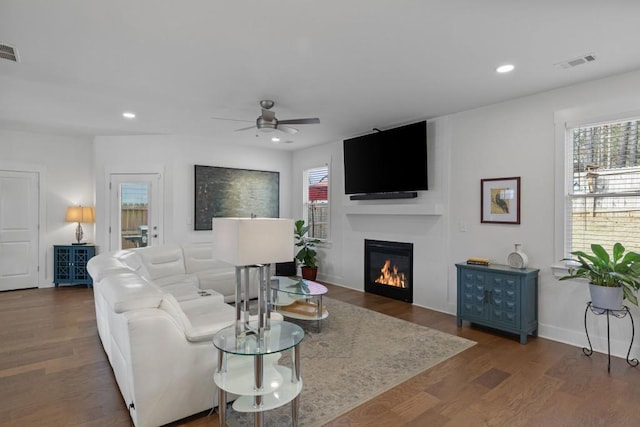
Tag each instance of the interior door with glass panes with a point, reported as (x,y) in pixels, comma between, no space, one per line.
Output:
(136,210)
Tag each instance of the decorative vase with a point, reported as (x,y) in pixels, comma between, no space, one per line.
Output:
(517,258)
(309,273)
(606,298)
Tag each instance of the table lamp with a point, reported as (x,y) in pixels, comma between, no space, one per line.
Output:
(80,214)
(252,243)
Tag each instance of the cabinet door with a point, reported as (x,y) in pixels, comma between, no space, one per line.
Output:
(62,268)
(505,294)
(473,290)
(79,264)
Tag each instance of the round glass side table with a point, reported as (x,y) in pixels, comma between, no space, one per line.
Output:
(248,366)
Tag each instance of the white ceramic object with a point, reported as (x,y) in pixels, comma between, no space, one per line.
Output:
(517,258)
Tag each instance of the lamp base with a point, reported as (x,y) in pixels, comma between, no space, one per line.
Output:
(79,244)
(243,326)
(79,234)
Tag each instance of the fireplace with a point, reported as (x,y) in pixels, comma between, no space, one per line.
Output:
(388,269)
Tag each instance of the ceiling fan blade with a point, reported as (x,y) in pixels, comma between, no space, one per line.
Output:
(247,128)
(287,129)
(268,115)
(309,121)
(233,120)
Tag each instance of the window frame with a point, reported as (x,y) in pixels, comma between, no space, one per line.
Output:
(306,202)
(565,121)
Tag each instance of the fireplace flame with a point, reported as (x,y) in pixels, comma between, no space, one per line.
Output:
(390,276)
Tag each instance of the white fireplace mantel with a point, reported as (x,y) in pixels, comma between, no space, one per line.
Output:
(394,209)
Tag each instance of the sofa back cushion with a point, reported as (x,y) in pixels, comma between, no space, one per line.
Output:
(129,258)
(104,265)
(128,291)
(198,257)
(161,261)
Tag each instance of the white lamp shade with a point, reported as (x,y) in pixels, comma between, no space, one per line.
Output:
(251,241)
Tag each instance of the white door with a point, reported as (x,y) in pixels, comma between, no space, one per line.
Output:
(19,213)
(135,212)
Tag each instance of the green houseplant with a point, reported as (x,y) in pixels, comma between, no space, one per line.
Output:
(307,255)
(618,272)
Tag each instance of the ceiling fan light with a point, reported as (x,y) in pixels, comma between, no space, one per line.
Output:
(506,68)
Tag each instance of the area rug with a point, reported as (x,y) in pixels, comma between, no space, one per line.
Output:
(357,354)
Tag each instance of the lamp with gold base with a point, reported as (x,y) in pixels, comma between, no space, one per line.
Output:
(80,214)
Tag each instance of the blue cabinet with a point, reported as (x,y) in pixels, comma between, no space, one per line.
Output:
(499,297)
(70,264)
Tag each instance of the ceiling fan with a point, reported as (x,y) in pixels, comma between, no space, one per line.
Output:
(267,121)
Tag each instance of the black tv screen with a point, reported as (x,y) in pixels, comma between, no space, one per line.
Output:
(390,161)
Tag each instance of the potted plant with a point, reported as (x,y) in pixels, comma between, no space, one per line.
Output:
(611,278)
(306,256)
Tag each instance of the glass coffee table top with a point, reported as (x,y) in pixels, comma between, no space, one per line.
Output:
(282,336)
(297,286)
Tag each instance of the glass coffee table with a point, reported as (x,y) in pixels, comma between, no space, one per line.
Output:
(298,298)
(259,380)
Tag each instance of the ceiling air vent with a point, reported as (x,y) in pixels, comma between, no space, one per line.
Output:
(8,52)
(576,61)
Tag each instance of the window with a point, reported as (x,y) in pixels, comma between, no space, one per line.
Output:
(316,201)
(134,214)
(603,186)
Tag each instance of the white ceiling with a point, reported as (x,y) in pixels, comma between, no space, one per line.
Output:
(355,64)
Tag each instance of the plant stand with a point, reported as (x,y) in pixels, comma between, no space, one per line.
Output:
(623,312)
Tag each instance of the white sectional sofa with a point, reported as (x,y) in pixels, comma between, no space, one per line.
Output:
(157,309)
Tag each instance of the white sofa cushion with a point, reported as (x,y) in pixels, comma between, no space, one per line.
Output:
(200,318)
(104,266)
(160,262)
(183,287)
(128,291)
(129,258)
(199,257)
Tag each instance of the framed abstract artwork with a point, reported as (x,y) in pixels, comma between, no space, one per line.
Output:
(237,193)
(500,200)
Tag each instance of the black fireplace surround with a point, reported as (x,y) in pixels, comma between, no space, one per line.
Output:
(388,269)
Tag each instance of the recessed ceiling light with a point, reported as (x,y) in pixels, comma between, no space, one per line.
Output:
(129,115)
(507,68)
(275,139)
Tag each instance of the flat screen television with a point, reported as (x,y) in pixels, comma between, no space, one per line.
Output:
(387,164)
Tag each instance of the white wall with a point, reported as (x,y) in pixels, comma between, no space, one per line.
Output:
(176,157)
(516,138)
(65,166)
(342,259)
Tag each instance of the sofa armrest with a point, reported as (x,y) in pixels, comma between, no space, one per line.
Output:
(170,377)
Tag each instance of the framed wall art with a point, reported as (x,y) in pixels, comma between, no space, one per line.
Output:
(237,193)
(500,200)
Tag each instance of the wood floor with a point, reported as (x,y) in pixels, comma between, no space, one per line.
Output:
(53,372)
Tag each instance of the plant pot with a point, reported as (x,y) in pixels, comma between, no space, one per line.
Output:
(604,297)
(309,273)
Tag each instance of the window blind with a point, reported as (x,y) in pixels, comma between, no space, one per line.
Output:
(603,203)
